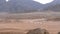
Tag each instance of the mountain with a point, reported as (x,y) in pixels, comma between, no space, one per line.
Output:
(53,8)
(19,6)
(24,6)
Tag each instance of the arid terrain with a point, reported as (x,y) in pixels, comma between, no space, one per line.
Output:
(22,23)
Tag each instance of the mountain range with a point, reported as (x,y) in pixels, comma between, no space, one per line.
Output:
(23,6)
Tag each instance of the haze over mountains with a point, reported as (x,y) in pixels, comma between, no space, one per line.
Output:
(27,6)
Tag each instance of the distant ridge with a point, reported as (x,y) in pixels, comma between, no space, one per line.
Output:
(53,8)
(24,6)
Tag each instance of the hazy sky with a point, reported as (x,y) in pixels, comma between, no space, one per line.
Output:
(7,0)
(40,1)
(43,1)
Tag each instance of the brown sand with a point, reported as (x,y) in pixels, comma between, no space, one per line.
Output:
(53,27)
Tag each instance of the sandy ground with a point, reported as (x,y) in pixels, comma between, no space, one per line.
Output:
(53,27)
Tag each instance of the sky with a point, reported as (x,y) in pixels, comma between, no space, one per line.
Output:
(41,1)
(7,0)
(44,1)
